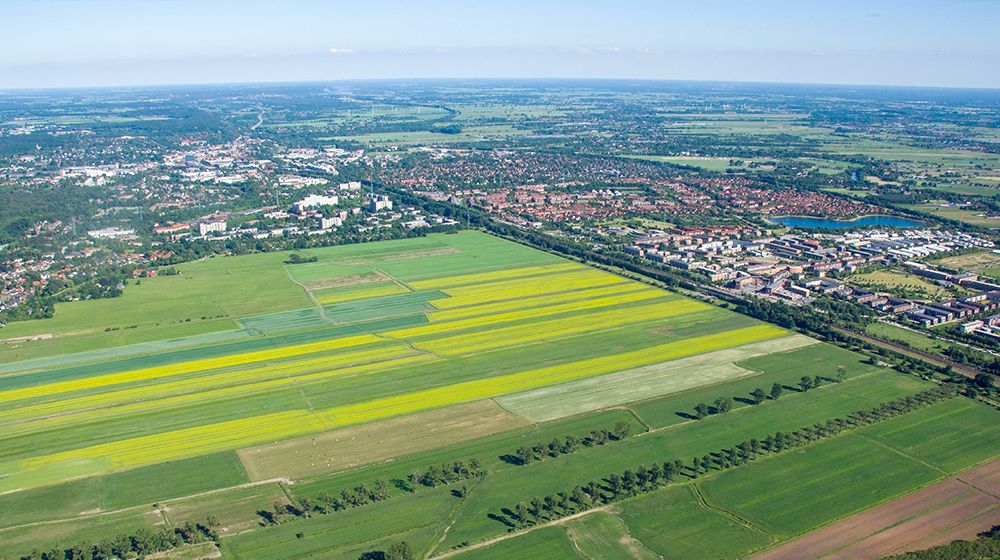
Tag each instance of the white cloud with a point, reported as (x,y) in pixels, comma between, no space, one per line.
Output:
(341,51)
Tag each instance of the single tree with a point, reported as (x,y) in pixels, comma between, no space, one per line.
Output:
(841,374)
(776,391)
(805,383)
(758,395)
(723,405)
(621,430)
(399,551)
(700,410)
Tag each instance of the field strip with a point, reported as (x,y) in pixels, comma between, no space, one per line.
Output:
(379,290)
(484,277)
(200,396)
(555,328)
(905,523)
(536,285)
(184,367)
(76,358)
(233,434)
(584,305)
(541,300)
(568,399)
(377,441)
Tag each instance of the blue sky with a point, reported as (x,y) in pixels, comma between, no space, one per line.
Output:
(55,43)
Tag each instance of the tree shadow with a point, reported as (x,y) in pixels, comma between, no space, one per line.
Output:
(686,416)
(744,400)
(402,485)
(501,518)
(511,459)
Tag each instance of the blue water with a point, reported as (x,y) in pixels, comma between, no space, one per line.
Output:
(865,221)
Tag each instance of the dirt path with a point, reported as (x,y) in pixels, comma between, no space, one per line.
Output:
(516,534)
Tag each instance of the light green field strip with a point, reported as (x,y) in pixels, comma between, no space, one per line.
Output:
(568,399)
(184,368)
(193,389)
(77,358)
(525,287)
(489,320)
(539,300)
(245,432)
(484,277)
(544,330)
(378,289)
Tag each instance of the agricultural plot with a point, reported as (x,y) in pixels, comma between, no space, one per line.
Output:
(395,356)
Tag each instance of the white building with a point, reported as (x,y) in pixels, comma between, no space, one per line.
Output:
(314,201)
(350,186)
(378,202)
(327,223)
(205,228)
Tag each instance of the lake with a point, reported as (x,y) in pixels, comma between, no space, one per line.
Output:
(864,221)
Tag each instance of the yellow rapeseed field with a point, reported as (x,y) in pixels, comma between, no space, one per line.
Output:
(210,438)
(538,300)
(491,320)
(184,367)
(526,287)
(289,371)
(484,277)
(541,330)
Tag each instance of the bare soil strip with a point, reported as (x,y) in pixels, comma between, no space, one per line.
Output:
(955,508)
(378,441)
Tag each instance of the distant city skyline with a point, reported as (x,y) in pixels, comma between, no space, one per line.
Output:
(84,43)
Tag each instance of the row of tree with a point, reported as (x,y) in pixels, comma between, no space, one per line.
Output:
(138,544)
(723,405)
(324,503)
(986,546)
(648,478)
(527,454)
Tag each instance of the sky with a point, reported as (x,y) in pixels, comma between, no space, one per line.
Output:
(82,43)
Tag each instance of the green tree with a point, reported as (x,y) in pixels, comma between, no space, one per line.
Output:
(621,430)
(700,410)
(841,374)
(723,405)
(805,383)
(776,391)
(399,551)
(758,395)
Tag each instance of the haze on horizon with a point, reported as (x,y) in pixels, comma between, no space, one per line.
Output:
(83,43)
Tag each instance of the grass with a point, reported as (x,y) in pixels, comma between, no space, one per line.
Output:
(798,491)
(973,217)
(915,339)
(605,535)
(951,436)
(547,542)
(675,524)
(889,279)
(970,261)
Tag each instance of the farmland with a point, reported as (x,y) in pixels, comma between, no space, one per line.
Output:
(380,360)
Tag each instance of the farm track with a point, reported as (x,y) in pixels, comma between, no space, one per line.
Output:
(281,482)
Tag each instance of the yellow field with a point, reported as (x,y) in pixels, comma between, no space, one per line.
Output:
(537,300)
(209,438)
(489,320)
(542,330)
(83,415)
(184,367)
(525,287)
(484,277)
(247,379)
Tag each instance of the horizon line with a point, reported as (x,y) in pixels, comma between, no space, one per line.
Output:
(4,90)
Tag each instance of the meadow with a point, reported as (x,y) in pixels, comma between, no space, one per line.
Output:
(380,360)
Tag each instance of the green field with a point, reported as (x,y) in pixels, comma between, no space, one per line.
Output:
(422,352)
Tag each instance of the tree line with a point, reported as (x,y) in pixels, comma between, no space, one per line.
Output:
(527,454)
(363,495)
(646,478)
(986,545)
(138,544)
(723,405)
